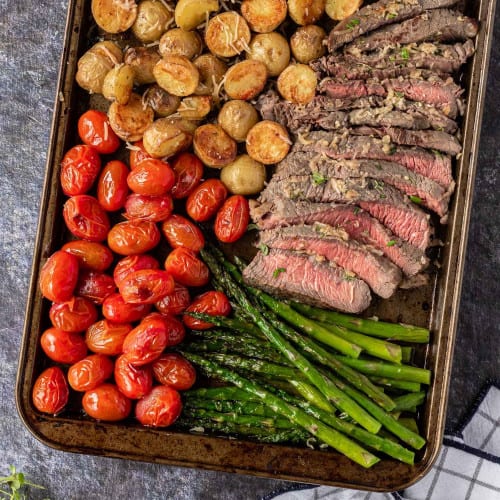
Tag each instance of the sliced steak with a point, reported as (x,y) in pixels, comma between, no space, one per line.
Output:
(351,89)
(304,278)
(358,224)
(334,244)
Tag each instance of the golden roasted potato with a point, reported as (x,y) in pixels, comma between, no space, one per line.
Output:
(195,107)
(212,71)
(244,176)
(306,11)
(166,137)
(142,60)
(297,84)
(118,84)
(163,103)
(95,64)
(177,75)
(245,80)
(307,43)
(153,19)
(213,146)
(264,16)
(129,121)
(227,34)
(237,118)
(268,142)
(177,42)
(272,49)
(340,9)
(191,13)
(114,16)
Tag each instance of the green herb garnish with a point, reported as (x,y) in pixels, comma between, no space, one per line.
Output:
(352,24)
(391,243)
(416,199)
(14,483)
(356,210)
(252,226)
(391,15)
(278,271)
(399,95)
(318,178)
(264,249)
(405,53)
(437,153)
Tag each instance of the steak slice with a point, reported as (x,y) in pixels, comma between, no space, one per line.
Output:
(382,276)
(301,277)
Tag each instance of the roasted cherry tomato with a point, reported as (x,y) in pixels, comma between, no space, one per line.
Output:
(107,403)
(152,178)
(75,315)
(174,370)
(175,328)
(112,187)
(107,337)
(133,237)
(117,310)
(186,268)
(134,381)
(94,129)
(213,303)
(90,372)
(146,286)
(58,276)
(176,302)
(133,263)
(181,232)
(95,286)
(152,208)
(138,154)
(63,347)
(85,218)
(232,219)
(159,408)
(80,167)
(205,200)
(50,392)
(188,173)
(91,255)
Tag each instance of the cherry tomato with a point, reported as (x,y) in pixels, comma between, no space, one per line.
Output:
(188,173)
(174,370)
(176,302)
(133,237)
(90,372)
(80,167)
(94,129)
(152,208)
(159,408)
(58,276)
(63,347)
(138,154)
(133,381)
(117,310)
(85,218)
(232,219)
(95,286)
(112,188)
(107,403)
(91,255)
(151,177)
(186,268)
(133,263)
(107,337)
(146,286)
(146,342)
(50,392)
(175,328)
(213,303)
(181,232)
(75,315)
(205,200)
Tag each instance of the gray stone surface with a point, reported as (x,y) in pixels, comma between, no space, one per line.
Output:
(30,45)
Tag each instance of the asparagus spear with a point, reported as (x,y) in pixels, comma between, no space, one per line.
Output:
(255,408)
(392,383)
(408,402)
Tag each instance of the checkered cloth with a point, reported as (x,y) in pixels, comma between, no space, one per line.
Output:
(468,467)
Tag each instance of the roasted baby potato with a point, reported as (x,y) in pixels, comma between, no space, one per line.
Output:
(142,60)
(268,142)
(227,34)
(153,19)
(166,137)
(306,11)
(177,42)
(114,16)
(191,13)
(195,107)
(163,103)
(237,118)
(307,43)
(245,80)
(213,146)
(340,9)
(264,16)
(118,84)
(272,49)
(297,84)
(212,71)
(129,121)
(177,75)
(244,176)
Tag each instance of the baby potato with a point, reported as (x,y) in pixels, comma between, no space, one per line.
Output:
(195,107)
(268,142)
(245,80)
(114,16)
(165,138)
(306,11)
(129,121)
(307,43)
(244,176)
(213,146)
(95,64)
(237,118)
(163,103)
(297,83)
(340,9)
(272,49)
(118,84)
(264,16)
(227,34)
(142,60)
(177,75)
(177,42)
(191,13)
(153,19)
(212,71)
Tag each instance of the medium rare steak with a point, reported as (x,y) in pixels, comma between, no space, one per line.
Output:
(301,277)
(382,276)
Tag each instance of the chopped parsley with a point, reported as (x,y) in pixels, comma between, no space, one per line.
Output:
(392,150)
(399,95)
(405,53)
(264,249)
(378,166)
(352,24)
(391,243)
(437,153)
(391,15)
(356,210)
(318,178)
(251,227)
(416,199)
(349,277)
(278,271)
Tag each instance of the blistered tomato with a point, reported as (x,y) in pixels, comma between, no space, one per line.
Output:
(58,276)
(174,370)
(94,129)
(107,403)
(117,310)
(91,255)
(50,392)
(85,218)
(160,408)
(146,286)
(107,337)
(112,188)
(232,219)
(176,302)
(133,237)
(188,173)
(152,178)
(186,268)
(205,200)
(152,208)
(213,303)
(90,372)
(75,315)
(95,286)
(80,167)
(134,381)
(63,347)
(181,232)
